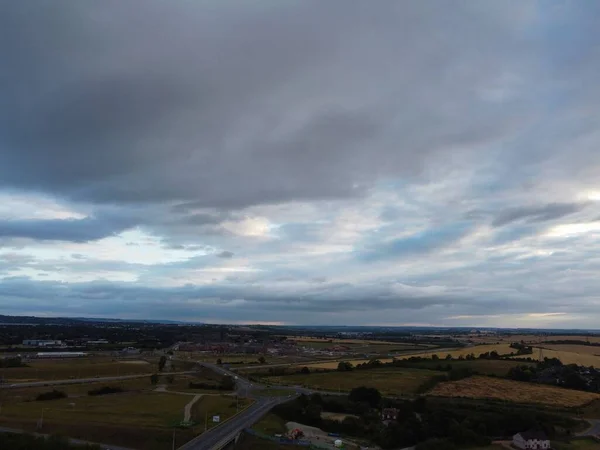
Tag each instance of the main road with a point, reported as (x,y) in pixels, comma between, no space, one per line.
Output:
(218,437)
(80,380)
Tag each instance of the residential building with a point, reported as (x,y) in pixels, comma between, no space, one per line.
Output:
(531,440)
(389,415)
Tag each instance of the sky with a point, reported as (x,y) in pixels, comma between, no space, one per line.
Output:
(302,162)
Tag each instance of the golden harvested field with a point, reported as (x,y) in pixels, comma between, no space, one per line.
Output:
(565,357)
(476,350)
(390,381)
(580,349)
(513,391)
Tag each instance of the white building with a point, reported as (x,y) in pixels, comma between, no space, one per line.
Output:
(42,343)
(534,440)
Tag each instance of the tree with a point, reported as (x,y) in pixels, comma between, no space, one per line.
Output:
(161,363)
(219,362)
(262,360)
(227,383)
(435,357)
(365,394)
(345,366)
(154,378)
(448,356)
(305,370)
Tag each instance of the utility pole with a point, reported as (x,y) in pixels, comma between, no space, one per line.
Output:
(206,422)
(173,446)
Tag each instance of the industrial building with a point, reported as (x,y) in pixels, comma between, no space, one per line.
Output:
(47,355)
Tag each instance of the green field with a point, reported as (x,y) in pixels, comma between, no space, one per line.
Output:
(489,447)
(139,420)
(270,424)
(216,405)
(42,370)
(390,381)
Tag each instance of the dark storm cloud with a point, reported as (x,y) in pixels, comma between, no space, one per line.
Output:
(74,230)
(149,101)
(541,213)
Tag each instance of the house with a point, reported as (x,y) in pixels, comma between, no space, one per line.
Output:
(535,440)
(389,415)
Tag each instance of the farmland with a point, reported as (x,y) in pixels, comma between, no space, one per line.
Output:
(42,370)
(390,381)
(514,391)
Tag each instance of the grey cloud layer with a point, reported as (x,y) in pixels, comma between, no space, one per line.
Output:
(399,161)
(237,105)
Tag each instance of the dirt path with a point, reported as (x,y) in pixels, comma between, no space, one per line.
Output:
(187,411)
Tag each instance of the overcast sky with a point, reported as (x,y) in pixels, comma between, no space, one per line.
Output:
(302,162)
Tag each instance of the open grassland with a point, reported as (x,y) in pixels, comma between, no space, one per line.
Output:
(61,369)
(513,391)
(74,390)
(489,447)
(223,406)
(270,424)
(390,381)
(578,444)
(138,420)
(249,442)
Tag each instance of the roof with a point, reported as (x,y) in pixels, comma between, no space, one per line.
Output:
(539,435)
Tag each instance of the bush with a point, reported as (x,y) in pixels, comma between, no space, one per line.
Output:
(52,395)
(436,444)
(106,390)
(429,384)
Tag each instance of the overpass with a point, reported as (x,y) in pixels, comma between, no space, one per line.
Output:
(220,436)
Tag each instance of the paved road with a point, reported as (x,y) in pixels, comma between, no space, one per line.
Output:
(72,441)
(216,438)
(79,380)
(593,430)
